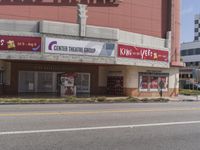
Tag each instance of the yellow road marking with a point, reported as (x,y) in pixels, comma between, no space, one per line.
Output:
(95,112)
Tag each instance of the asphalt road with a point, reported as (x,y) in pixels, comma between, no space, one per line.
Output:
(171,126)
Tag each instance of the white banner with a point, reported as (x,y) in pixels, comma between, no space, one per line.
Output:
(79,47)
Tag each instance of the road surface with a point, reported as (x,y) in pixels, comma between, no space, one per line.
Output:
(169,126)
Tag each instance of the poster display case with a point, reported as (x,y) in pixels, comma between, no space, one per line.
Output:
(150,82)
(68,87)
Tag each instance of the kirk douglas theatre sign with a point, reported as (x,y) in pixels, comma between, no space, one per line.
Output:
(79,47)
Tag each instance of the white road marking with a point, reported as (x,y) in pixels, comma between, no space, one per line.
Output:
(99,128)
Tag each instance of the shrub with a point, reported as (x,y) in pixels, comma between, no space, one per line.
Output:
(101,99)
(145,100)
(133,99)
(70,98)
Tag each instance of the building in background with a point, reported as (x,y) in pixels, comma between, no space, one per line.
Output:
(112,47)
(197,28)
(190,53)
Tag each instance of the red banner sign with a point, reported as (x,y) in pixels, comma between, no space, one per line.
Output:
(20,43)
(142,53)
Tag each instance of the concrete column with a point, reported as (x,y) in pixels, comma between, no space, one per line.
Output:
(169,40)
(175,28)
(82,19)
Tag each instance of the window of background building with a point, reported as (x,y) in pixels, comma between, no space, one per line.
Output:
(191,52)
(183,76)
(197,51)
(183,52)
(187,64)
(187,76)
(192,63)
(196,29)
(196,21)
(196,38)
(197,63)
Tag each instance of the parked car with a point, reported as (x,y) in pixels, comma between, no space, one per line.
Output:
(191,86)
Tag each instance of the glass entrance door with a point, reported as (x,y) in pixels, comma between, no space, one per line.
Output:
(45,82)
(26,81)
(82,82)
(37,82)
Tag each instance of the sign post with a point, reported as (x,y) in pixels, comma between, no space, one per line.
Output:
(161,85)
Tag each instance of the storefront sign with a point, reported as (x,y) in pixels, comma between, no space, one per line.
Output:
(20,43)
(126,51)
(78,47)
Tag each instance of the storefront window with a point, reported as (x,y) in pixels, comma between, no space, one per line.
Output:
(165,81)
(144,83)
(150,82)
(1,77)
(153,83)
(82,82)
(33,82)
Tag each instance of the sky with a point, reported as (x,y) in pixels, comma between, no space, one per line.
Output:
(188,9)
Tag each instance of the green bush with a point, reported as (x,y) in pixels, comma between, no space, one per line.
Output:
(133,99)
(73,99)
(160,100)
(145,100)
(189,92)
(101,99)
(70,99)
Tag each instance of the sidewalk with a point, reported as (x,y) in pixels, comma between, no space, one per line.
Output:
(185,98)
(65,100)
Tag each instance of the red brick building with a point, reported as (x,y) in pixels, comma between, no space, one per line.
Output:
(115,47)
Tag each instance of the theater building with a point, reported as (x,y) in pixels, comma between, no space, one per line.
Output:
(112,47)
